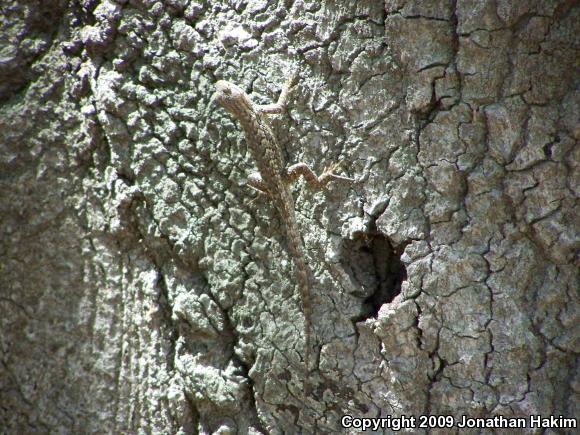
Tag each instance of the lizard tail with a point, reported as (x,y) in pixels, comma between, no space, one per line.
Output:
(284,204)
(304,286)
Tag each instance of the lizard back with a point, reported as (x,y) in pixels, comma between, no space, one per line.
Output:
(268,158)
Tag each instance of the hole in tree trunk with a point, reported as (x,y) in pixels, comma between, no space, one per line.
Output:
(376,266)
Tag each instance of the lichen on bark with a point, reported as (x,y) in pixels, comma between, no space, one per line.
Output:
(145,287)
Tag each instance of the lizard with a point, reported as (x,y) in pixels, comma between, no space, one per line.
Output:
(274,179)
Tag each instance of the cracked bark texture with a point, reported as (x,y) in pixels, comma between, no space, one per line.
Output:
(145,289)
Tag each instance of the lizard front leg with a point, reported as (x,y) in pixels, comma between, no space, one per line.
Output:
(282,102)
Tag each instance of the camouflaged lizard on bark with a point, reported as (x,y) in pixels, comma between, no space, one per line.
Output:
(274,179)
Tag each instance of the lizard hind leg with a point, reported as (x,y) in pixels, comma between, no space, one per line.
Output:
(318,182)
(256,182)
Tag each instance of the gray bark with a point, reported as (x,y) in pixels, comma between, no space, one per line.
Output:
(145,288)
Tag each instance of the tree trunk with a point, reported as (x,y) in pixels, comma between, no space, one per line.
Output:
(145,288)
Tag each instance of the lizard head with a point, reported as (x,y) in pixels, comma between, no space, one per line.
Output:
(229,95)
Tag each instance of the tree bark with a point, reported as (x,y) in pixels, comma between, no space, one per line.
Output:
(145,288)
